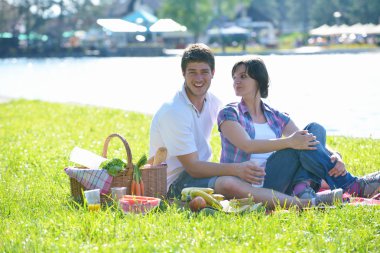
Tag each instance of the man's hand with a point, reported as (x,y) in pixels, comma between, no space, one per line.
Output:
(340,167)
(250,172)
(302,139)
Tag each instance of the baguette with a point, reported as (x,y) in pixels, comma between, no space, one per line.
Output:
(160,156)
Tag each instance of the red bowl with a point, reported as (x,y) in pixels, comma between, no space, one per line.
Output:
(138,204)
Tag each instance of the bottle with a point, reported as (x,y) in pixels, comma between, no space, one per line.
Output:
(86,158)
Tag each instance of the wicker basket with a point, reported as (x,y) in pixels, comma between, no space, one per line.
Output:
(154,177)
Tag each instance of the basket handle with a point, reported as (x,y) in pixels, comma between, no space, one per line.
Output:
(126,145)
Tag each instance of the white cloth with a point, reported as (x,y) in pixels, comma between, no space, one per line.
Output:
(179,127)
(262,132)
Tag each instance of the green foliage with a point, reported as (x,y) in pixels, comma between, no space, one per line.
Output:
(142,161)
(137,168)
(352,11)
(37,214)
(113,166)
(289,40)
(195,15)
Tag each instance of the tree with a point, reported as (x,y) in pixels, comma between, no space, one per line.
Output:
(195,15)
(364,12)
(352,11)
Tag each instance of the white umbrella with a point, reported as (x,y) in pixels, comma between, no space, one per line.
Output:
(228,30)
(344,29)
(119,25)
(167,25)
(373,29)
(322,30)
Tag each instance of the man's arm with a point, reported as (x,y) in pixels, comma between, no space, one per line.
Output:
(247,171)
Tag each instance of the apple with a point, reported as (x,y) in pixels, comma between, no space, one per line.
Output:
(197,204)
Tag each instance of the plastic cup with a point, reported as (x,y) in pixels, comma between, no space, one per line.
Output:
(118,192)
(261,164)
(93,199)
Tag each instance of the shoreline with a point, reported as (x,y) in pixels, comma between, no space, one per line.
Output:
(304,50)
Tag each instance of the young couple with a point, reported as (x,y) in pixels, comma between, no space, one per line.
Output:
(257,142)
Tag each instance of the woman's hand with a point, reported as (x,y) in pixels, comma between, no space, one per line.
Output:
(302,139)
(250,172)
(339,168)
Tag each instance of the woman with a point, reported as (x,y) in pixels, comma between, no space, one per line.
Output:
(295,164)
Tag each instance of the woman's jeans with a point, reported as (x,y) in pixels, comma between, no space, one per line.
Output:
(287,167)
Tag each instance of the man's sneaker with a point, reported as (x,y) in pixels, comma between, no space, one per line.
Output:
(326,197)
(307,193)
(369,185)
(329,197)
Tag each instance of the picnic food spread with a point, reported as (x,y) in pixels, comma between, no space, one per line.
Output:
(102,174)
(93,172)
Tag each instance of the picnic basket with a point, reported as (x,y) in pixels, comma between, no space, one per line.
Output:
(154,177)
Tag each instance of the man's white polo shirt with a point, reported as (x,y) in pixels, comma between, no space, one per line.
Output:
(179,127)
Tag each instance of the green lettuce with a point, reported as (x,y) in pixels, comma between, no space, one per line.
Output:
(113,166)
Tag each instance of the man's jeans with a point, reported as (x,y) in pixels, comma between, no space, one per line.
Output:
(185,180)
(287,167)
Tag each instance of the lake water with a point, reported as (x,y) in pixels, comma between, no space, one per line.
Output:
(340,91)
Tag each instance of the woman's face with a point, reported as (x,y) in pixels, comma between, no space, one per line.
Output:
(244,85)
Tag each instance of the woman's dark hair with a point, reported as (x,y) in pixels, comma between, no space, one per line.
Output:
(197,53)
(257,70)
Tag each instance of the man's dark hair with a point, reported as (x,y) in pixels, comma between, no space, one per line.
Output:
(197,53)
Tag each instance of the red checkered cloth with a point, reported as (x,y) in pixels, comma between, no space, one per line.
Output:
(91,178)
(356,201)
(359,201)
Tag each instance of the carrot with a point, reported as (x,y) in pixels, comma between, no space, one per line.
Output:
(142,187)
(133,187)
(138,189)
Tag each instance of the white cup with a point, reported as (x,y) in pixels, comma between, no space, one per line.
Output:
(261,164)
(118,192)
(92,196)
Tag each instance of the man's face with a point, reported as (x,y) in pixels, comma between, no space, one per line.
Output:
(198,77)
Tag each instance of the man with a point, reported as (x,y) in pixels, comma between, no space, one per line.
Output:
(184,126)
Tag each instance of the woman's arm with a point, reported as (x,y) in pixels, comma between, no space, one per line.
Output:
(236,134)
(290,128)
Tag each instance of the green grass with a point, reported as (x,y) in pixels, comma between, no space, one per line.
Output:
(37,216)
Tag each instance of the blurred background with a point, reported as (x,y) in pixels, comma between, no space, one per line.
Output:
(58,28)
(322,55)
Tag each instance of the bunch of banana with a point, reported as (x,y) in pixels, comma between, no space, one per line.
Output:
(190,193)
(185,193)
(218,197)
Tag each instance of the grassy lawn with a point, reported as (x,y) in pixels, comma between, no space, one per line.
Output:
(37,216)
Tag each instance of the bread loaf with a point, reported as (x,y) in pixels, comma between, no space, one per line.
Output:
(160,156)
